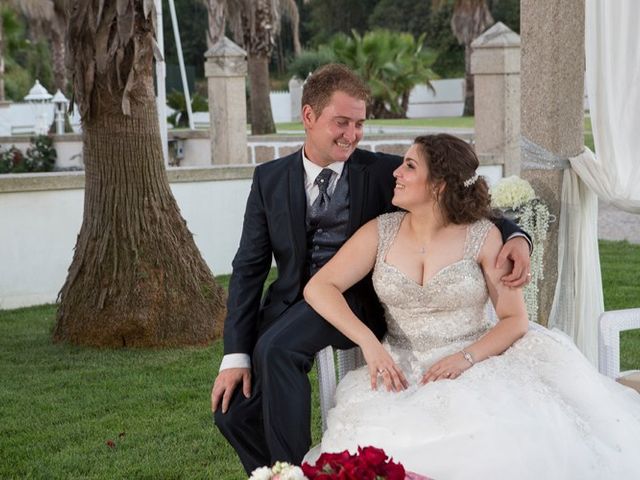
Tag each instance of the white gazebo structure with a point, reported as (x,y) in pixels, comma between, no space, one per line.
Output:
(40,98)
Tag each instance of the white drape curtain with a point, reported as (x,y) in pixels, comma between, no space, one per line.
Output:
(612,48)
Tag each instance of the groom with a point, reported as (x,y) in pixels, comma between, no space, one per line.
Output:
(301,209)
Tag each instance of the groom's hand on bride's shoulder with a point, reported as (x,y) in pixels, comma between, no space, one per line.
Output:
(225,384)
(516,251)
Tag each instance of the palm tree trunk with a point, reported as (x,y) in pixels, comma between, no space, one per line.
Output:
(261,115)
(469,19)
(1,56)
(468,83)
(216,10)
(137,277)
(58,51)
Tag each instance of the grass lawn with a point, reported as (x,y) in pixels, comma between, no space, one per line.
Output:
(444,122)
(71,412)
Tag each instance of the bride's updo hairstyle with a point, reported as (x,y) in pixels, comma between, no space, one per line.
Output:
(450,160)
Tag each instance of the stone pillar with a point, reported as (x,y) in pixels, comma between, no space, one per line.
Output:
(495,65)
(552,35)
(226,71)
(295,93)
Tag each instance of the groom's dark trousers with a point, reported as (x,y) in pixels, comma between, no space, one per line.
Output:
(282,333)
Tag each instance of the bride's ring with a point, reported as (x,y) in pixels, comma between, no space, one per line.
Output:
(528,275)
(381,371)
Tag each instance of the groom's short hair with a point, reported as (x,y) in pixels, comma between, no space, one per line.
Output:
(327,80)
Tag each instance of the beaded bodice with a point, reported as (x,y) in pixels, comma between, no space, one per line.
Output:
(449,307)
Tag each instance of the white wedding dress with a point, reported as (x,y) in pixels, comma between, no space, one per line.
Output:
(538,411)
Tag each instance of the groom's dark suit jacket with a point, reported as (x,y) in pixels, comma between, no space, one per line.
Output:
(274,223)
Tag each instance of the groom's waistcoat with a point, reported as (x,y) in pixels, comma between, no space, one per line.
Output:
(327,229)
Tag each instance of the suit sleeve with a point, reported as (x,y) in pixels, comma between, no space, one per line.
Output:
(508,228)
(251,266)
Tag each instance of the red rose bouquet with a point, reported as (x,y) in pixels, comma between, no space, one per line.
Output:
(369,463)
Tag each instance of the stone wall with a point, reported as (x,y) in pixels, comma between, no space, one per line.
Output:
(41,214)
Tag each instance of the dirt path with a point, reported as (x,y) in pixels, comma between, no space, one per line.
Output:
(615,224)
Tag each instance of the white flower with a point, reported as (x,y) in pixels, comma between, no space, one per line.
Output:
(511,192)
(262,473)
(292,473)
(286,471)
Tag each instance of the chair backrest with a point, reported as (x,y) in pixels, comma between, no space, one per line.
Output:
(609,328)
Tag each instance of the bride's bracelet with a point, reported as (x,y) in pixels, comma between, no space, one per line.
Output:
(467,356)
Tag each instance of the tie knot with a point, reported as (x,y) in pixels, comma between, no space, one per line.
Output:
(323,178)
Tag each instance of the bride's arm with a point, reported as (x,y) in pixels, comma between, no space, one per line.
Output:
(510,309)
(324,291)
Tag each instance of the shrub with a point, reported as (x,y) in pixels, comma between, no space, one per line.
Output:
(41,157)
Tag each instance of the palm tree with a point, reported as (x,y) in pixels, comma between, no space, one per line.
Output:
(391,63)
(216,10)
(137,278)
(56,32)
(254,24)
(469,19)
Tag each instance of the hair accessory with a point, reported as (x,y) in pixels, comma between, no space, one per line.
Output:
(470,181)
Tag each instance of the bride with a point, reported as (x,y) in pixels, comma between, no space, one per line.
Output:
(447,393)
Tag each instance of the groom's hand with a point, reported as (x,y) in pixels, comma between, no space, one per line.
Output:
(226,383)
(515,250)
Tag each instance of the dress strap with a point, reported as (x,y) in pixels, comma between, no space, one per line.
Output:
(388,226)
(476,234)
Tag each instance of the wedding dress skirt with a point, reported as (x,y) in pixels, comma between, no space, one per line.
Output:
(538,411)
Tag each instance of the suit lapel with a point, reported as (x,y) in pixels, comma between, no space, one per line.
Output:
(357,192)
(298,205)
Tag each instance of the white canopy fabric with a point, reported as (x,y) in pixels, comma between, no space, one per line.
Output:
(612,49)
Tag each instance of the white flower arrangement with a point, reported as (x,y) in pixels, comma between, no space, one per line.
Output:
(511,193)
(280,471)
(515,197)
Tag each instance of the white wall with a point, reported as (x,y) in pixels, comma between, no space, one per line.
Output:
(447,99)
(214,212)
(38,231)
(37,236)
(281,106)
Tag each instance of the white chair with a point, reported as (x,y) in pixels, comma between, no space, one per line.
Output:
(327,379)
(611,324)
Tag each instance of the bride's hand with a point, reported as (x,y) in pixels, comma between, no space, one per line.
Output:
(449,367)
(381,365)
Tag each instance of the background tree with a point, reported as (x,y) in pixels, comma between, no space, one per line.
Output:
(328,17)
(401,16)
(137,278)
(254,25)
(51,26)
(47,21)
(391,63)
(469,19)
(32,9)
(25,59)
(216,15)
(193,22)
